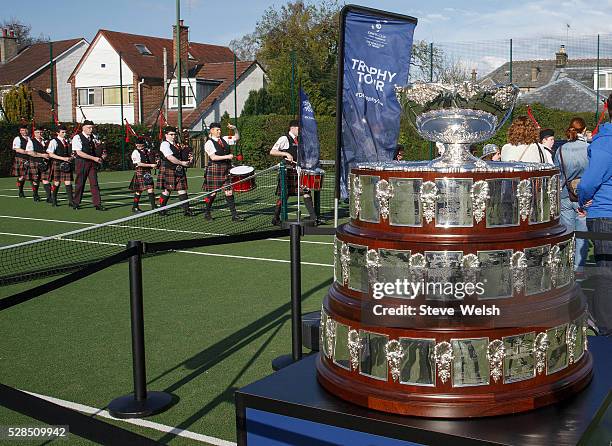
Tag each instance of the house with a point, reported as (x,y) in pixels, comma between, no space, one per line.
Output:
(560,83)
(31,66)
(144,66)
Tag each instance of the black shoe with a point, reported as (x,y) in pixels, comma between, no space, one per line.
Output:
(36,198)
(163,213)
(100,208)
(49,200)
(76,207)
(21,194)
(276,222)
(237,218)
(136,211)
(208,217)
(188,213)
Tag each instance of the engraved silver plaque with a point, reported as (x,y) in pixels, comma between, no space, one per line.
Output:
(554,265)
(556,355)
(428,195)
(373,358)
(394,264)
(540,201)
(503,206)
(480,196)
(519,362)
(454,204)
(341,352)
(495,273)
(358,271)
(566,266)
(417,367)
(443,270)
(524,194)
(538,273)
(384,192)
(470,365)
(404,205)
(369,203)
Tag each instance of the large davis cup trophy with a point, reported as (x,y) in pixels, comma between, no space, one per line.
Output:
(453,291)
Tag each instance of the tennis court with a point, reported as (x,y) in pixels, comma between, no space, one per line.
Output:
(215,317)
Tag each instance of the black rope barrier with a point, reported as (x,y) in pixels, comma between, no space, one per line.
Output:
(93,268)
(594,235)
(79,424)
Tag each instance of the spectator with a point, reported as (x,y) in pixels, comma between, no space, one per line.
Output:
(522,145)
(571,159)
(399,153)
(490,152)
(547,141)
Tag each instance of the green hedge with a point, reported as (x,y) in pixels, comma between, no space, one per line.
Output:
(259,133)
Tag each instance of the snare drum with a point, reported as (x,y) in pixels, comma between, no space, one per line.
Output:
(243,178)
(312,179)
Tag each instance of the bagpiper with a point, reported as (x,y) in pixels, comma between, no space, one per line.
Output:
(61,168)
(39,164)
(142,180)
(21,163)
(84,147)
(217,174)
(173,173)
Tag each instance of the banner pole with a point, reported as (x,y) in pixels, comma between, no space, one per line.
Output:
(339,91)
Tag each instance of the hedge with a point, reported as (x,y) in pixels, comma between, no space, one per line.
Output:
(259,133)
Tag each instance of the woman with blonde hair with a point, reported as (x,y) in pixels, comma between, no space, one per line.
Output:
(523,136)
(572,160)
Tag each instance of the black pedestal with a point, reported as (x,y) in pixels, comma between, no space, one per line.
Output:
(290,408)
(128,407)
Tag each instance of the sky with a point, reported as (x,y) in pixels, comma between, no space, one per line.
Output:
(490,23)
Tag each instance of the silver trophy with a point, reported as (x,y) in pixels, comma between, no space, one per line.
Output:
(457,116)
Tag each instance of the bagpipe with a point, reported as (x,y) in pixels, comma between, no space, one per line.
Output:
(185,154)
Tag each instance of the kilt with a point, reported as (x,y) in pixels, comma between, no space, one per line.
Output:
(216,176)
(167,179)
(291,181)
(138,183)
(19,168)
(58,175)
(34,174)
(48,175)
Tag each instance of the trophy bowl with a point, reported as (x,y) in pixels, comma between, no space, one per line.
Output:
(457,115)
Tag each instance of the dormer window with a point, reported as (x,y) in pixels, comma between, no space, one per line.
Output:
(142,49)
(190,57)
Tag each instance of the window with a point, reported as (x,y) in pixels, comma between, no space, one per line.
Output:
(86,96)
(190,57)
(142,49)
(604,79)
(187,96)
(110,96)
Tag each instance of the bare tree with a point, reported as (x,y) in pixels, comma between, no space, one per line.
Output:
(22,32)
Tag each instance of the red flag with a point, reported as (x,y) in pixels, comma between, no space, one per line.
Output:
(129,131)
(162,124)
(601,117)
(532,117)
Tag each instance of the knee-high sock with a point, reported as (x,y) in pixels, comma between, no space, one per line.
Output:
(184,197)
(69,193)
(20,184)
(48,191)
(152,199)
(232,205)
(54,189)
(209,202)
(163,200)
(310,207)
(277,210)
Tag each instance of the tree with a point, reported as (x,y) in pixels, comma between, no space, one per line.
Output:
(18,104)
(22,32)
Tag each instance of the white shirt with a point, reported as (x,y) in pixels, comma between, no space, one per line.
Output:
(52,147)
(165,148)
(524,152)
(209,147)
(282,143)
(17,142)
(136,158)
(76,141)
(30,145)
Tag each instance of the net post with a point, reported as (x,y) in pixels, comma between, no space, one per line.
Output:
(317,202)
(282,173)
(141,403)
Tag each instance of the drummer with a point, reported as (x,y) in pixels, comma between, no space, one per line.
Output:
(287,147)
(216,175)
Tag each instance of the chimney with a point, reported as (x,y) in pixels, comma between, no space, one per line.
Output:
(474,73)
(561,58)
(535,72)
(184,36)
(8,45)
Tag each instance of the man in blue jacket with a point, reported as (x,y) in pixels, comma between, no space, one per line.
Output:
(595,196)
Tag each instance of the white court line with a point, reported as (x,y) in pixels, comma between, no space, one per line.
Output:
(211,254)
(148,228)
(138,422)
(83,201)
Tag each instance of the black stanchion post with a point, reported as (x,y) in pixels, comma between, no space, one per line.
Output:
(295,232)
(141,403)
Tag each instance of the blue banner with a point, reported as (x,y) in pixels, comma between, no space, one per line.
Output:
(309,134)
(376,58)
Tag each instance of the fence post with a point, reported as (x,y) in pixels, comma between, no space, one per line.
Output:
(295,232)
(141,403)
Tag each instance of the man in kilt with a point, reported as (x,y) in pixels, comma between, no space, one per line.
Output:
(20,165)
(217,174)
(60,152)
(142,180)
(169,178)
(39,164)
(287,147)
(84,147)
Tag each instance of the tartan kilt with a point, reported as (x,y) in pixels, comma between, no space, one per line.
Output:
(216,176)
(48,175)
(291,180)
(167,179)
(137,184)
(58,175)
(34,173)
(19,168)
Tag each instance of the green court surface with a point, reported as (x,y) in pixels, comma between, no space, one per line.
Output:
(215,318)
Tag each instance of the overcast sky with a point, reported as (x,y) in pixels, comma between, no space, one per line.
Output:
(490,22)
